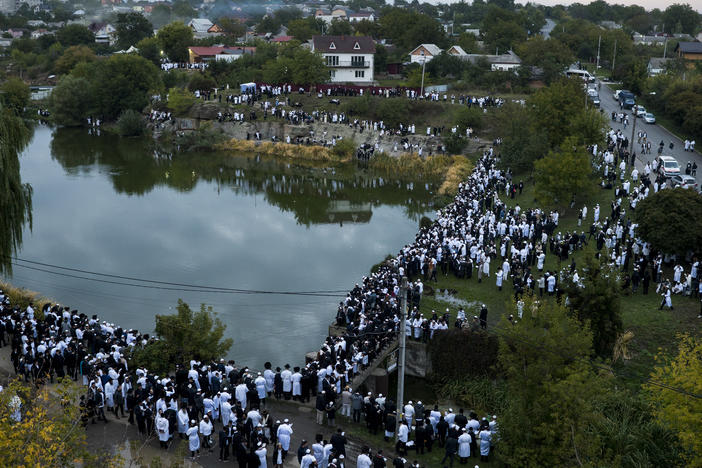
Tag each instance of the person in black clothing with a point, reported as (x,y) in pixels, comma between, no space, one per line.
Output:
(483,317)
(442,430)
(224,441)
(379,460)
(302,450)
(451,449)
(338,442)
(460,419)
(419,437)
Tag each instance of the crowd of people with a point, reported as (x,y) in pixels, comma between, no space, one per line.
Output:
(470,235)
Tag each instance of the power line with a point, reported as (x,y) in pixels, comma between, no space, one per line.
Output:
(183,289)
(167,283)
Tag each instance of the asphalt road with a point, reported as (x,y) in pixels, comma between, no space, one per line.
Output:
(655,132)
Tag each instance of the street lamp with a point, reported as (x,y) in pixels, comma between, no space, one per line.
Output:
(424,63)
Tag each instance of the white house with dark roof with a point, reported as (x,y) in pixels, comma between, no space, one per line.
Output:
(656,65)
(349,58)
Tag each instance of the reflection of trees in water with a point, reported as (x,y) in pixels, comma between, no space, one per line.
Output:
(314,195)
(15,197)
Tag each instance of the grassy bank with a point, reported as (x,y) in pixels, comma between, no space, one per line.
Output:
(654,330)
(449,171)
(22,297)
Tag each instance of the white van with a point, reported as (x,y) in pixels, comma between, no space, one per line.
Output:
(583,74)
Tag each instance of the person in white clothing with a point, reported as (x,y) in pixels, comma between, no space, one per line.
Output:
(261,453)
(193,440)
(162,430)
(464,446)
(364,460)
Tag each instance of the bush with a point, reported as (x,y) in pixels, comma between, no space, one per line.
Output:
(131,123)
(454,143)
(425,222)
(393,112)
(477,351)
(15,95)
(180,100)
(344,148)
(470,117)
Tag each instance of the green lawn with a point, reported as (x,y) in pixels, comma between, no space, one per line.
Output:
(653,329)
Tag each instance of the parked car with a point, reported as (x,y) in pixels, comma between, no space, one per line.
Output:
(639,110)
(684,181)
(616,94)
(595,100)
(668,166)
(649,118)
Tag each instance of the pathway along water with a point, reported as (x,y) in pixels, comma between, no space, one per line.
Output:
(109,205)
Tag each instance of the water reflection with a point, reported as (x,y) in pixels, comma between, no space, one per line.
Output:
(315,195)
(111,205)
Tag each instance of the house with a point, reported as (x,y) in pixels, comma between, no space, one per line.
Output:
(505,62)
(361,16)
(349,58)
(648,40)
(200,27)
(282,39)
(656,65)
(16,33)
(105,33)
(689,50)
(197,54)
(610,24)
(456,51)
(473,31)
(215,30)
(502,62)
(324,15)
(424,53)
(37,33)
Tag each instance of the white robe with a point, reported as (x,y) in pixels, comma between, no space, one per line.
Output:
(464,445)
(183,420)
(193,439)
(162,428)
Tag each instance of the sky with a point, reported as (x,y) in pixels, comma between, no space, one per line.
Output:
(648,4)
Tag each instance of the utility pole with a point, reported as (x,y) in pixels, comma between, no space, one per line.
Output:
(401,355)
(614,57)
(424,64)
(599,41)
(633,129)
(665,47)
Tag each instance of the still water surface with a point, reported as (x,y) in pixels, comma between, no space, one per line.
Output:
(110,205)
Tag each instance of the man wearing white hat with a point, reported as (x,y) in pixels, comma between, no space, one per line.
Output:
(283,435)
(193,439)
(307,459)
(260,383)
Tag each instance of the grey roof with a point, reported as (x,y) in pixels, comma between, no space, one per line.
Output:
(658,62)
(689,47)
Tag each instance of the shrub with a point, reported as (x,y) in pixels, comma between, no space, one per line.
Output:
(454,143)
(344,149)
(180,100)
(131,123)
(477,351)
(425,222)
(470,117)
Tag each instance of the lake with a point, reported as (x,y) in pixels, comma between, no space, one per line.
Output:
(110,205)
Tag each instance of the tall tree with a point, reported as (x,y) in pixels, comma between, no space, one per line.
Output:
(183,336)
(15,197)
(15,94)
(71,101)
(563,175)
(681,410)
(175,39)
(75,34)
(551,388)
(596,300)
(681,18)
(131,28)
(123,82)
(671,220)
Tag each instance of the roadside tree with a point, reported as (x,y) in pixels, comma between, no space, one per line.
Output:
(563,175)
(671,220)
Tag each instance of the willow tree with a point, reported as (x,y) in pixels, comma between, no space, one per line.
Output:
(15,197)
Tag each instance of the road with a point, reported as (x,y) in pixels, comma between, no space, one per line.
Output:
(655,132)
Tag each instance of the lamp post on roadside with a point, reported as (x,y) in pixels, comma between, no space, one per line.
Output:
(401,355)
(424,63)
